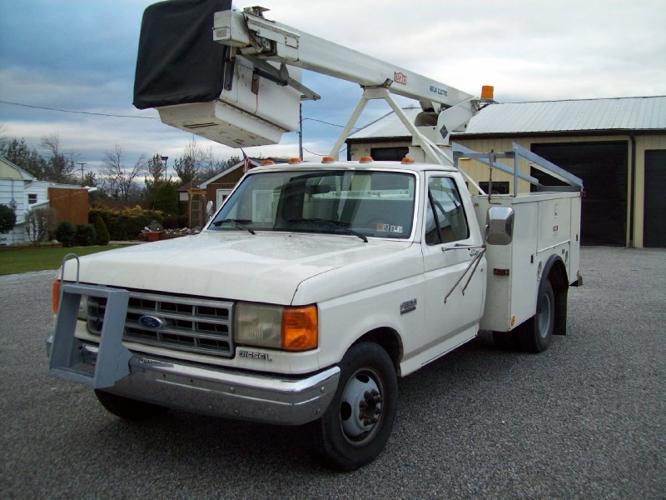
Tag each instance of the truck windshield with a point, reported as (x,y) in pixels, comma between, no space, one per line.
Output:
(368,203)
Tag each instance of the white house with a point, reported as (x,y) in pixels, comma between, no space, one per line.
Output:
(22,192)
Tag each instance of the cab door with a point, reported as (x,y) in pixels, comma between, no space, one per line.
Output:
(451,243)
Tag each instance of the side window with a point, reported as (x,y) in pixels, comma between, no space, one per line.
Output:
(447,212)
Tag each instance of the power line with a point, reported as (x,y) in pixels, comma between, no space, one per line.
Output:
(328,123)
(75,112)
(317,154)
(113,115)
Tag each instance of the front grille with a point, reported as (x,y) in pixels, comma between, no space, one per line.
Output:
(185,324)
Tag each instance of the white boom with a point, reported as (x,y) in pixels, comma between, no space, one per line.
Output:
(253,35)
(262,93)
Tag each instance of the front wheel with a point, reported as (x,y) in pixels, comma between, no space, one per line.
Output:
(358,422)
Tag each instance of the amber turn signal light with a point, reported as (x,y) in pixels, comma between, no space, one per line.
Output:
(299,328)
(55,296)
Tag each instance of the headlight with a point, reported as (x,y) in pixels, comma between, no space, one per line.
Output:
(276,327)
(258,325)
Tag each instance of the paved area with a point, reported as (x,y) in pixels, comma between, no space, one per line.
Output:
(585,419)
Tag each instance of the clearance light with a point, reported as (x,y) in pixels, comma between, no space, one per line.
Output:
(365,159)
(327,159)
(265,163)
(55,296)
(293,161)
(407,160)
(299,328)
(487,92)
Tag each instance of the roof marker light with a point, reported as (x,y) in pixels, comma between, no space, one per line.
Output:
(365,159)
(293,161)
(327,159)
(267,162)
(407,160)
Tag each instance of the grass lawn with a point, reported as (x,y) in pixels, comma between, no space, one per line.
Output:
(23,260)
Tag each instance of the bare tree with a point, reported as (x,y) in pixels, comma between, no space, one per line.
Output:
(89,179)
(38,223)
(155,170)
(118,178)
(59,167)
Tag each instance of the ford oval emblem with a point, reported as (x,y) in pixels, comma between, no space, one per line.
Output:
(151,322)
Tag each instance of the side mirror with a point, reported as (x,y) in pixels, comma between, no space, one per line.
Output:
(209,209)
(499,229)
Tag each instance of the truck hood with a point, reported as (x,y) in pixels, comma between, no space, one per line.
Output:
(265,267)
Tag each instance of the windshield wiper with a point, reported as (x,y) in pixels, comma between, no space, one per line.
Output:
(338,226)
(237,224)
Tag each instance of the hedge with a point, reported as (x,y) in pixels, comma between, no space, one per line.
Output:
(125,224)
(65,233)
(85,235)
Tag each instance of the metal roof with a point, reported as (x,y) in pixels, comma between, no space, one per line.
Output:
(386,126)
(10,170)
(545,117)
(619,113)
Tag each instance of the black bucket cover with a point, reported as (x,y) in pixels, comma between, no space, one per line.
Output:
(178,62)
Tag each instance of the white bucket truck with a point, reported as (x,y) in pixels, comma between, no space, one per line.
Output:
(316,285)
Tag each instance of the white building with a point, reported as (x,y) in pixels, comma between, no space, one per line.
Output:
(22,192)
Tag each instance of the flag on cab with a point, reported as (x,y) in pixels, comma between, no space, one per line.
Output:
(247,163)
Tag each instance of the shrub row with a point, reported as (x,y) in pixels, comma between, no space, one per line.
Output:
(125,224)
(82,235)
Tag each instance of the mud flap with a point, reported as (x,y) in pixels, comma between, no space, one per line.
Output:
(67,356)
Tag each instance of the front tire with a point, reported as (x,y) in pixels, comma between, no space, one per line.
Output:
(536,333)
(358,422)
(128,409)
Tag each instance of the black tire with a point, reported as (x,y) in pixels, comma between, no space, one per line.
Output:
(536,333)
(128,409)
(351,435)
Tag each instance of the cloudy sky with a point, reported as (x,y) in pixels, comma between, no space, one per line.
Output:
(80,55)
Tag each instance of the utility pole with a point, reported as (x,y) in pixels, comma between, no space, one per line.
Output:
(164,159)
(300,130)
(82,164)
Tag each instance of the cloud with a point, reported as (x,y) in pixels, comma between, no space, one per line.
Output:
(81,55)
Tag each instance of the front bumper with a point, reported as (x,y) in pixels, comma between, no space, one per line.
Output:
(214,391)
(201,388)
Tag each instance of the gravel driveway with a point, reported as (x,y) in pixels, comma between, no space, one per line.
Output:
(587,418)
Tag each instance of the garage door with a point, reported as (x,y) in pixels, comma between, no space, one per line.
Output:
(654,225)
(389,154)
(603,168)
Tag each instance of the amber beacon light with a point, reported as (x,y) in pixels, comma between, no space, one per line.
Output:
(487,92)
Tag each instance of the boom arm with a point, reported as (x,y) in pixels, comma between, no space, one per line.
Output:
(253,35)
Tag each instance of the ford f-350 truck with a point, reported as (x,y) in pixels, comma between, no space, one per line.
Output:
(315,286)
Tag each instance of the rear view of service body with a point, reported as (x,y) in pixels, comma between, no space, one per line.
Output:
(315,285)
